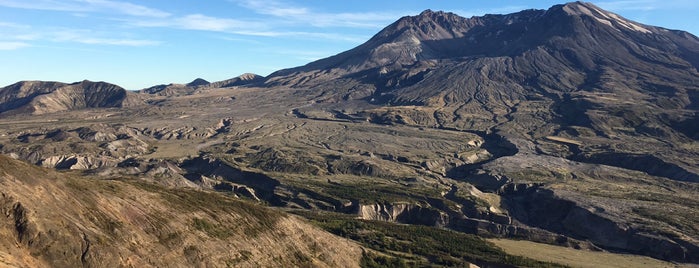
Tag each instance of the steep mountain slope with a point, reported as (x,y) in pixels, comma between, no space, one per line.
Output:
(55,219)
(38,97)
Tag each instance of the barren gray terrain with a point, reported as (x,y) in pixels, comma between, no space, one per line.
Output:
(570,126)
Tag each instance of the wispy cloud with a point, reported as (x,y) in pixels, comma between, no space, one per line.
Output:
(104,6)
(94,38)
(12,45)
(201,22)
(207,23)
(303,15)
(17,36)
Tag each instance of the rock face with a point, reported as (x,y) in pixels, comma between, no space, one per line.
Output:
(403,213)
(50,97)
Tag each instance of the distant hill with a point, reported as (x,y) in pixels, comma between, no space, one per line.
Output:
(198,84)
(241,80)
(39,97)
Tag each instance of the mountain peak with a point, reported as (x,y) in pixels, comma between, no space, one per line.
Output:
(582,8)
(426,12)
(585,9)
(432,14)
(198,82)
(249,77)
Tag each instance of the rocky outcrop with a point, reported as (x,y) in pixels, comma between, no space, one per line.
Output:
(262,185)
(403,213)
(78,162)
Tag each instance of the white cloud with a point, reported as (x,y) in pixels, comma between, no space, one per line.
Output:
(126,8)
(18,36)
(103,6)
(306,16)
(201,22)
(207,23)
(12,45)
(94,38)
(12,25)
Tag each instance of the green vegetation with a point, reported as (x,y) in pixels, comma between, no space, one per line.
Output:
(576,257)
(212,230)
(412,245)
(674,217)
(257,218)
(373,260)
(369,190)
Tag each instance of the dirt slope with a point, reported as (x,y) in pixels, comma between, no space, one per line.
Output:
(52,219)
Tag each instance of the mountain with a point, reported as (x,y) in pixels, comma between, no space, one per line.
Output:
(37,97)
(429,58)
(131,223)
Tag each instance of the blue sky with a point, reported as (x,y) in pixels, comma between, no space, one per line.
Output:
(137,44)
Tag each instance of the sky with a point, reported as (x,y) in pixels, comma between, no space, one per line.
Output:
(138,44)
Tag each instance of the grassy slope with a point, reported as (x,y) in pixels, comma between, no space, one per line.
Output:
(574,257)
(66,220)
